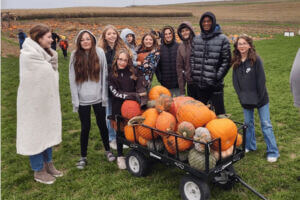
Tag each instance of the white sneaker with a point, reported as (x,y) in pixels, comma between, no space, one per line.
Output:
(247,150)
(125,146)
(272,159)
(113,144)
(121,162)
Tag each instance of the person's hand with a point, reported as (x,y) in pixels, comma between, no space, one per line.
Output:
(143,94)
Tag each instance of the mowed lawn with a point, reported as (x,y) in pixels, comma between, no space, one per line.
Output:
(103,180)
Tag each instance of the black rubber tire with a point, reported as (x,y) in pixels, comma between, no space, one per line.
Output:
(136,163)
(200,186)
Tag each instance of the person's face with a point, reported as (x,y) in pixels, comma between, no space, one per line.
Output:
(243,46)
(168,35)
(185,32)
(111,36)
(148,41)
(122,61)
(206,23)
(86,42)
(46,40)
(129,38)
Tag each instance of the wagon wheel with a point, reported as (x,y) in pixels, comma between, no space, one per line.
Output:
(136,163)
(192,188)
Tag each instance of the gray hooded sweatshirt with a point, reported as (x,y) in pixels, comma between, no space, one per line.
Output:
(124,33)
(89,92)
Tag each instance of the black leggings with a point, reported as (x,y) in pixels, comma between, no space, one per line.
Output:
(216,97)
(85,119)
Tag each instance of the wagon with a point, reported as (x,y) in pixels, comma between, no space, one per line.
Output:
(194,184)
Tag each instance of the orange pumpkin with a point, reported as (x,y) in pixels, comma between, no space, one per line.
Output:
(177,102)
(143,141)
(224,154)
(163,103)
(194,112)
(156,91)
(150,116)
(129,134)
(213,115)
(165,122)
(239,140)
(225,129)
(170,144)
(130,109)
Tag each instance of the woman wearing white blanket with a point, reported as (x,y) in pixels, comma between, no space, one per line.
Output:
(38,104)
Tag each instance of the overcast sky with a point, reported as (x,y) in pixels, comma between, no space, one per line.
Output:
(27,4)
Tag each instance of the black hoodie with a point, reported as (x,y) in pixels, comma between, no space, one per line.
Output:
(210,57)
(166,68)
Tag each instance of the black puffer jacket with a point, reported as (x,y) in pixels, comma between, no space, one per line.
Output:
(166,70)
(210,57)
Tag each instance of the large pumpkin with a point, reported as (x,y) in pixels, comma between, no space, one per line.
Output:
(150,116)
(129,134)
(186,129)
(165,122)
(130,109)
(156,91)
(170,144)
(163,103)
(197,160)
(194,112)
(177,102)
(224,129)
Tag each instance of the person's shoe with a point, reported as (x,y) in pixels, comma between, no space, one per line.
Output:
(272,159)
(113,144)
(81,163)
(52,170)
(125,146)
(43,177)
(247,150)
(121,162)
(110,156)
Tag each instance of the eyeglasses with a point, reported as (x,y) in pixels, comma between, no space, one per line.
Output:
(122,60)
(242,44)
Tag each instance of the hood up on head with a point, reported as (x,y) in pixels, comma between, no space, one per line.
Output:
(185,25)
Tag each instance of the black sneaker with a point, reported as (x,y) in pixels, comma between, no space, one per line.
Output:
(81,163)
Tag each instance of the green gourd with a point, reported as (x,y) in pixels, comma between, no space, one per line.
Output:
(197,160)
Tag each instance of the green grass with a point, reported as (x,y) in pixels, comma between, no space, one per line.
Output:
(103,180)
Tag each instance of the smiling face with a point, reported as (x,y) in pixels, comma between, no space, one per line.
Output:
(46,40)
(185,33)
(122,61)
(129,38)
(148,41)
(168,35)
(206,23)
(111,36)
(243,46)
(86,41)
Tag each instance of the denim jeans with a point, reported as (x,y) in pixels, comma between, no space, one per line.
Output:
(111,131)
(266,127)
(37,161)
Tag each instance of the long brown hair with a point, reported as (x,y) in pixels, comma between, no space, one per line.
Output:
(143,47)
(37,32)
(86,65)
(119,43)
(129,64)
(237,57)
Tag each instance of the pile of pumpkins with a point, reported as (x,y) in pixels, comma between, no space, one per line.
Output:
(184,116)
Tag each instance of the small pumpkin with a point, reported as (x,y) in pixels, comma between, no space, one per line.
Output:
(130,109)
(150,116)
(225,129)
(197,160)
(224,154)
(201,135)
(143,141)
(158,144)
(165,122)
(186,129)
(163,103)
(239,140)
(194,112)
(156,91)
(170,144)
(129,134)
(177,102)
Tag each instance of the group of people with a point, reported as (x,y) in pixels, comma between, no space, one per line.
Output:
(105,73)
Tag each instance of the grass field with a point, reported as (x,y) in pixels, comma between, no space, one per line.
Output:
(103,180)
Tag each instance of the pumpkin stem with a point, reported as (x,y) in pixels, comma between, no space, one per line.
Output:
(137,120)
(184,134)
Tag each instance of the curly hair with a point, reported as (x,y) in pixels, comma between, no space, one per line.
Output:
(237,57)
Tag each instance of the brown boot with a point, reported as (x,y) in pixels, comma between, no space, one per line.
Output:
(43,177)
(52,170)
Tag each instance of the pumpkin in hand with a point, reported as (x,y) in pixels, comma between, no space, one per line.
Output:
(156,91)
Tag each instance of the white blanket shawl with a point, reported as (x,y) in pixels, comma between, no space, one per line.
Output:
(38,102)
